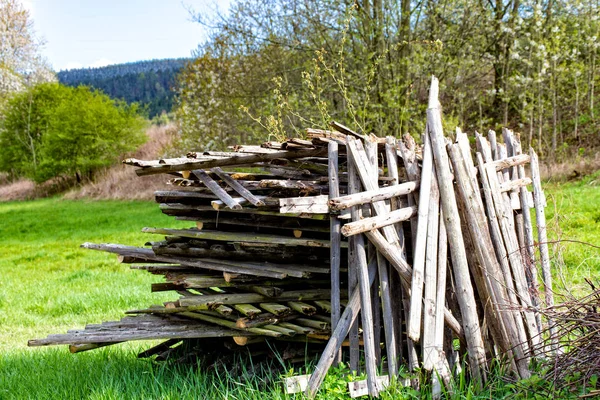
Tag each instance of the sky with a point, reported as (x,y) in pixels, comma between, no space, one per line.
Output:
(94,33)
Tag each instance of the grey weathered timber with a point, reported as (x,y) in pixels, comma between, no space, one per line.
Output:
(364,170)
(430,352)
(493,145)
(405,272)
(492,291)
(379,221)
(208,302)
(247,237)
(419,254)
(335,238)
(306,204)
(235,185)
(146,327)
(354,186)
(364,286)
(229,324)
(217,190)
(540,219)
(464,289)
(209,265)
(370,196)
(504,214)
(234,159)
(529,252)
(347,131)
(514,184)
(510,162)
(442,267)
(499,246)
(337,337)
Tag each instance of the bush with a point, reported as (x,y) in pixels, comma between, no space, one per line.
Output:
(52,130)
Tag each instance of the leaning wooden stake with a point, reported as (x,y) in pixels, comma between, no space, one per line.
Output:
(430,353)
(354,186)
(365,299)
(416,298)
(464,288)
(540,217)
(337,337)
(335,239)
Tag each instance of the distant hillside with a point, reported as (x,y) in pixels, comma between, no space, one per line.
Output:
(149,83)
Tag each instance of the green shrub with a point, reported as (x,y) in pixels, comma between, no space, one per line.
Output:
(53,130)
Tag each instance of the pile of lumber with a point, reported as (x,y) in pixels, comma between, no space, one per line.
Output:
(433,247)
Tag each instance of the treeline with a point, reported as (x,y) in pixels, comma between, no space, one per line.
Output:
(273,67)
(150,83)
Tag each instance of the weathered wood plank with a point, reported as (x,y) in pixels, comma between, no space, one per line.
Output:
(464,288)
(370,196)
(217,190)
(234,159)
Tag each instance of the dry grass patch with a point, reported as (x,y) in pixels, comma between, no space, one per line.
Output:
(120,181)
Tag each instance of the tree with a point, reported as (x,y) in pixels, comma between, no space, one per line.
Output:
(21,64)
(52,130)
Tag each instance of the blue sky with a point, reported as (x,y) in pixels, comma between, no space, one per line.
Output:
(84,33)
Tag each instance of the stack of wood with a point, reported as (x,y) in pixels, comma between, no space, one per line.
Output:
(432,247)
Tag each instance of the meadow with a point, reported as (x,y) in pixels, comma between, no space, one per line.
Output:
(49,285)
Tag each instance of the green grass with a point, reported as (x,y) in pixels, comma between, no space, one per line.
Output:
(573,215)
(49,285)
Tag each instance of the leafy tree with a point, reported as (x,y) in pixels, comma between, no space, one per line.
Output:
(52,130)
(20,61)
(526,64)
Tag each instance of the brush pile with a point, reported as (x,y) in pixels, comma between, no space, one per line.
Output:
(433,247)
(574,360)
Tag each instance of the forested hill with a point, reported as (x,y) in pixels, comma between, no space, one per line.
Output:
(149,82)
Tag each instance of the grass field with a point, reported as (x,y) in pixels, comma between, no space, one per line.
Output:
(49,285)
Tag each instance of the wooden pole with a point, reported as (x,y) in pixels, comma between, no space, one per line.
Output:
(540,217)
(419,253)
(337,337)
(430,353)
(354,186)
(335,238)
(464,289)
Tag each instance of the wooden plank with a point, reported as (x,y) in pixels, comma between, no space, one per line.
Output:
(235,185)
(335,239)
(419,253)
(498,241)
(364,170)
(464,288)
(247,237)
(307,204)
(379,221)
(370,196)
(217,190)
(337,337)
(491,289)
(208,302)
(296,384)
(504,214)
(234,159)
(430,352)
(360,388)
(354,186)
(531,271)
(510,162)
(540,217)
